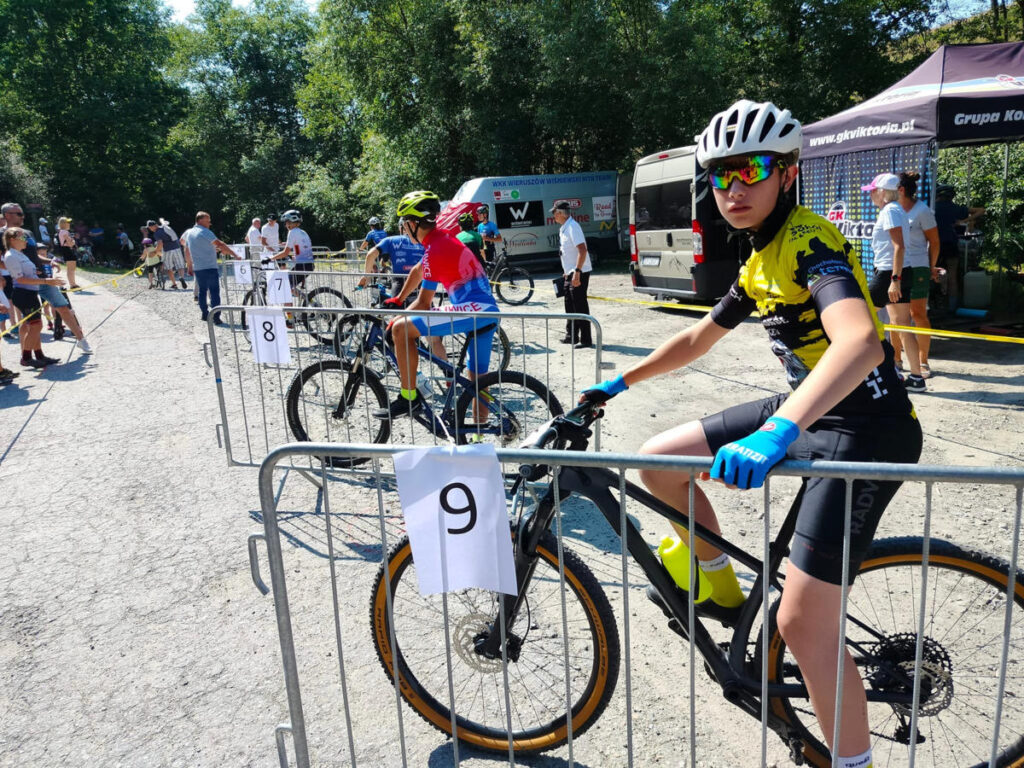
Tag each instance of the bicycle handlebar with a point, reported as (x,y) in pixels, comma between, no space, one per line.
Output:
(573,424)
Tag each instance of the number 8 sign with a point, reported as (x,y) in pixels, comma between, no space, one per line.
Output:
(454,504)
(268,335)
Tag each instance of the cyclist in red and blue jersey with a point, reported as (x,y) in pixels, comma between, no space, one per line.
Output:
(450,263)
(847,404)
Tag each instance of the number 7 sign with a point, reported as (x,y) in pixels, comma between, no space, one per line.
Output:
(454,504)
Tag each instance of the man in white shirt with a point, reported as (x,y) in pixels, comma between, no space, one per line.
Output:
(269,236)
(576,267)
(254,240)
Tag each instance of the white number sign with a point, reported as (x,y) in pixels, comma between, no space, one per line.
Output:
(268,335)
(243,272)
(279,290)
(454,504)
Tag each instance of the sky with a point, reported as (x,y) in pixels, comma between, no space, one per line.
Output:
(182,8)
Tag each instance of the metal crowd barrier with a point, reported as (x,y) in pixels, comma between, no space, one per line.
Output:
(951,631)
(265,405)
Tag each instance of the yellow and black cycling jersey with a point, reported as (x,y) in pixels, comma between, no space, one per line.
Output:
(801,264)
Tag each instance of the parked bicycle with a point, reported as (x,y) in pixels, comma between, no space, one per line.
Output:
(513,285)
(332,399)
(960,652)
(319,324)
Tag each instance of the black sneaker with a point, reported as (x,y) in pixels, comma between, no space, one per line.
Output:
(709,609)
(401,407)
(915,384)
(183,283)
(48,360)
(33,363)
(565,340)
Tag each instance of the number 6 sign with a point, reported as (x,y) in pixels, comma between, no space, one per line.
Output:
(454,504)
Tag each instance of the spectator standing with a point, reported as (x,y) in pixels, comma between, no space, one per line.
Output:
(947,215)
(26,296)
(66,249)
(576,267)
(150,259)
(270,236)
(201,248)
(166,241)
(96,238)
(922,258)
(375,235)
(56,297)
(254,239)
(125,244)
(44,231)
(487,230)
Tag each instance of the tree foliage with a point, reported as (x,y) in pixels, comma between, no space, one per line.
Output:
(121,114)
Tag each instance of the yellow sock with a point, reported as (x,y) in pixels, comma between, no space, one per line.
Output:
(725,586)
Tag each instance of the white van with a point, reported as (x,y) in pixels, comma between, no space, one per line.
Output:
(678,243)
(520,205)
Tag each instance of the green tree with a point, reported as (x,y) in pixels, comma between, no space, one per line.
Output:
(88,106)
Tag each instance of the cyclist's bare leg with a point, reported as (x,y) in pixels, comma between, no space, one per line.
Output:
(437,345)
(673,488)
(809,623)
(404,334)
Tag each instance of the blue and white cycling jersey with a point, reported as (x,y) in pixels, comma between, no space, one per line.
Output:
(403,252)
(487,229)
(374,236)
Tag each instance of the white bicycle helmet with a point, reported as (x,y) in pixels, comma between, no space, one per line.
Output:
(749,128)
(291,215)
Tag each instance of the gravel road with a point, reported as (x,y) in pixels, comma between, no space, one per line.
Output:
(130,630)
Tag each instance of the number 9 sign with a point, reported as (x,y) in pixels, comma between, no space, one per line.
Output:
(454,504)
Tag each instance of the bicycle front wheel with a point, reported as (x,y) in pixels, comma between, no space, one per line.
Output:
(964,623)
(329,402)
(515,285)
(503,407)
(536,648)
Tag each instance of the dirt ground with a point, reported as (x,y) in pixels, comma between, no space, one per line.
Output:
(131,633)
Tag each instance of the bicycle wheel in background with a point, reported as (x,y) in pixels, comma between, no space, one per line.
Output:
(321,325)
(515,285)
(964,622)
(536,649)
(516,404)
(328,402)
(251,298)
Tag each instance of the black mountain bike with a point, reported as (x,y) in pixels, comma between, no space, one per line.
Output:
(320,325)
(514,285)
(961,648)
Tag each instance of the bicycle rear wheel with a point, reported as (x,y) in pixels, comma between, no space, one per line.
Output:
(329,402)
(964,622)
(535,644)
(321,325)
(515,404)
(515,285)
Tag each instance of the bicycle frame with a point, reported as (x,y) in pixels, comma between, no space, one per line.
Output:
(728,669)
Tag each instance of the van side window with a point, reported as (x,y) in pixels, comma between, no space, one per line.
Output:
(664,206)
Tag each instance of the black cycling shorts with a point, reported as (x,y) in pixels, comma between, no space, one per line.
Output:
(817,546)
(298,281)
(8,286)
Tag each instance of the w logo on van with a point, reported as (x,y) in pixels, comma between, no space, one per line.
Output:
(519,213)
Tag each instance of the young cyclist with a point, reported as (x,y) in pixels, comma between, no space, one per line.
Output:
(403,254)
(449,262)
(488,231)
(469,236)
(375,235)
(847,402)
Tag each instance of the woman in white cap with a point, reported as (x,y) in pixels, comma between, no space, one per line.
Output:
(890,284)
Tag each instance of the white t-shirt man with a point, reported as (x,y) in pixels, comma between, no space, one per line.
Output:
(269,233)
(252,237)
(570,235)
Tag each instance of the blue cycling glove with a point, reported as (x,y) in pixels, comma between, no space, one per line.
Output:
(746,462)
(605,391)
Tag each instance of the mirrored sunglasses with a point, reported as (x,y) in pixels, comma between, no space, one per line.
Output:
(757,169)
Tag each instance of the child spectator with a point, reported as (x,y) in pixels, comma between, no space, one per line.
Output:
(57,298)
(150,258)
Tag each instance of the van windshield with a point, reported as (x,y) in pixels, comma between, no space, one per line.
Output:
(663,206)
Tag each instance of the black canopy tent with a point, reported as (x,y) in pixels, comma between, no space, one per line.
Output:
(960,95)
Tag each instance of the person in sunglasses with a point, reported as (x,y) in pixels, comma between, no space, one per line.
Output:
(847,404)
